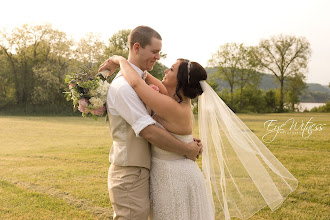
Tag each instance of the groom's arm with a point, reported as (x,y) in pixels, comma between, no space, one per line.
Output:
(164,140)
(129,106)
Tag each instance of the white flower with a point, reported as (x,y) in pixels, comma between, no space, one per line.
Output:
(93,92)
(103,88)
(96,102)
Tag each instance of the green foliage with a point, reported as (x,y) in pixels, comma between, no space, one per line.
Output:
(213,84)
(225,95)
(236,66)
(251,100)
(90,52)
(283,56)
(270,101)
(7,91)
(323,108)
(158,70)
(92,84)
(294,89)
(212,81)
(35,62)
(118,44)
(36,59)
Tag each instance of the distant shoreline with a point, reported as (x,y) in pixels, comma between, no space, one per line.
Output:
(312,103)
(308,105)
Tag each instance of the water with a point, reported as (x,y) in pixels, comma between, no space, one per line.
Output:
(307,105)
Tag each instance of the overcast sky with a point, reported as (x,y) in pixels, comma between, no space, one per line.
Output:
(190,29)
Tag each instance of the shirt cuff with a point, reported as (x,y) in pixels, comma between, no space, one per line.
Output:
(142,123)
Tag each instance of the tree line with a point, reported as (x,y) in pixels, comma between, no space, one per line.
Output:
(35,59)
(284,56)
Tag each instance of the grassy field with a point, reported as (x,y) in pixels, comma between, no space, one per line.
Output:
(56,167)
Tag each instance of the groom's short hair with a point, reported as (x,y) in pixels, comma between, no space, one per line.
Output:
(143,36)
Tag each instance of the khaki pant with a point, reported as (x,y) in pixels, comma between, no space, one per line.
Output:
(129,192)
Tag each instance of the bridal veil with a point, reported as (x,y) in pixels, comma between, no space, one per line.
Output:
(240,171)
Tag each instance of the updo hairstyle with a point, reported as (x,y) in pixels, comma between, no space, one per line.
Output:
(190,89)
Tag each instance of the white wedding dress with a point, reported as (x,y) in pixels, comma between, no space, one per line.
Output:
(177,187)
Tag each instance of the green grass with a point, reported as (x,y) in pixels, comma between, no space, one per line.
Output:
(56,167)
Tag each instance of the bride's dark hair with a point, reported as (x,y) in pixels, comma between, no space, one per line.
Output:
(196,74)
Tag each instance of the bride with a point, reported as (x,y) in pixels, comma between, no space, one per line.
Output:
(241,175)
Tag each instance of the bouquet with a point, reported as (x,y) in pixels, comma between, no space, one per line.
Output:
(88,93)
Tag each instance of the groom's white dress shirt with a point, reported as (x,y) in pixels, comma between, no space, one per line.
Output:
(124,103)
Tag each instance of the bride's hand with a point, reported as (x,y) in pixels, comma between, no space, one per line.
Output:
(199,142)
(195,149)
(116,59)
(111,64)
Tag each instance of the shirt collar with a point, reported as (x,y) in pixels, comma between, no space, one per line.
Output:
(137,69)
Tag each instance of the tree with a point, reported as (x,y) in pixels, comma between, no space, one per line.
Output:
(28,50)
(236,66)
(49,74)
(295,88)
(7,91)
(283,56)
(90,53)
(158,70)
(212,81)
(23,48)
(118,44)
(247,74)
(227,60)
(270,99)
(252,99)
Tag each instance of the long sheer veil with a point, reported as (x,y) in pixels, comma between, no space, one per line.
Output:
(242,173)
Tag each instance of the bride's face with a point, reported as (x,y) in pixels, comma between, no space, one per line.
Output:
(170,79)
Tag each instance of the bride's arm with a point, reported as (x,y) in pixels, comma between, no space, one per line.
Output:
(163,105)
(153,80)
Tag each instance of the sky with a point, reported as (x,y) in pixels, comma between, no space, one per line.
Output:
(190,29)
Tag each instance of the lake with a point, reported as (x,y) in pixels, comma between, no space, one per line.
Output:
(307,105)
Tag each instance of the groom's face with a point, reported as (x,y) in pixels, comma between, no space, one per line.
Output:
(150,54)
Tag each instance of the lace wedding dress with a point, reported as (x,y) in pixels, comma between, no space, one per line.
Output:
(177,187)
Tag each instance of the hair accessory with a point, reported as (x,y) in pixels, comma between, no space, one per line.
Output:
(189,64)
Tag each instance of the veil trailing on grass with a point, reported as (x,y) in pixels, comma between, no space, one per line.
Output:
(240,171)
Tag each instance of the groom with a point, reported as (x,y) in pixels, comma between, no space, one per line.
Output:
(132,129)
